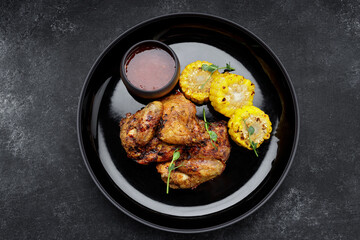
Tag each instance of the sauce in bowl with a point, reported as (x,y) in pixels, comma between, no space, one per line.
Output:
(150,68)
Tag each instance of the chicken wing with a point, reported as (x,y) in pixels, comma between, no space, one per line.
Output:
(191,173)
(179,123)
(137,130)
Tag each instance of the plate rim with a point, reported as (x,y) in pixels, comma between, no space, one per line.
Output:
(260,42)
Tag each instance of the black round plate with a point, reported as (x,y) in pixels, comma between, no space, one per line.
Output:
(247,182)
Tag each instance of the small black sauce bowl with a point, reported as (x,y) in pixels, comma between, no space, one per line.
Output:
(151,94)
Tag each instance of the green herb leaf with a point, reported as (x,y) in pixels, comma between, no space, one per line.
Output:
(212,68)
(213,135)
(176,155)
(229,68)
(253,145)
(171,167)
(207,126)
(251,130)
(205,67)
(178,166)
(204,115)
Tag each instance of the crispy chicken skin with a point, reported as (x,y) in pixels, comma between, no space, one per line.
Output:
(138,129)
(158,151)
(191,173)
(205,149)
(179,123)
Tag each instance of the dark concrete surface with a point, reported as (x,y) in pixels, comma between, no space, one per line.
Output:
(46,51)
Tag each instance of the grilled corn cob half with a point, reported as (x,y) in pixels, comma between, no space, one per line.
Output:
(252,117)
(195,82)
(229,92)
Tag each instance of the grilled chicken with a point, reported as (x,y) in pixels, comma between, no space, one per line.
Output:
(154,133)
(191,172)
(137,134)
(158,151)
(179,124)
(203,162)
(137,130)
(205,149)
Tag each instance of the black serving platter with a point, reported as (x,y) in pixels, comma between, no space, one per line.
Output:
(247,182)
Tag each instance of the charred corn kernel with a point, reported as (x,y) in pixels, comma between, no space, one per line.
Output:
(195,82)
(254,117)
(229,92)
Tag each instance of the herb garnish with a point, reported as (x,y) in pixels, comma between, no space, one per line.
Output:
(212,134)
(212,68)
(251,131)
(171,167)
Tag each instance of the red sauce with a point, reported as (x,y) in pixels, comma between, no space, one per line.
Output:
(150,68)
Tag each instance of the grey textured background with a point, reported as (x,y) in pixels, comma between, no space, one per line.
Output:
(46,51)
